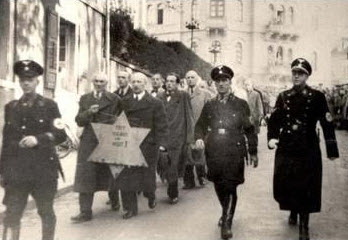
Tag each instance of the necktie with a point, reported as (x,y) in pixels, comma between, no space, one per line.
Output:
(191,90)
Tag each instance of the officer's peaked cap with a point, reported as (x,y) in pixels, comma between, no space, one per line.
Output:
(27,68)
(221,71)
(302,65)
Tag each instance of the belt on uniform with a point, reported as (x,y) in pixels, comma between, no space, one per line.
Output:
(225,131)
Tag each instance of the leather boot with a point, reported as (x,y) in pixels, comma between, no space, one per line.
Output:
(48,231)
(303,227)
(226,232)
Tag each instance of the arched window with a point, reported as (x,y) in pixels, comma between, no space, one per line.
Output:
(315,61)
(239,11)
(270,57)
(279,56)
(271,12)
(239,53)
(150,14)
(160,14)
(291,15)
(290,55)
(280,17)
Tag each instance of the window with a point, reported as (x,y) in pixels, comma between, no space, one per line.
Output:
(279,56)
(239,53)
(213,32)
(271,12)
(194,45)
(291,15)
(280,15)
(239,11)
(290,55)
(217,8)
(150,14)
(315,61)
(160,14)
(270,57)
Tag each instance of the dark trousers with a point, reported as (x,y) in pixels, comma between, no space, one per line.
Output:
(227,195)
(130,201)
(86,202)
(189,176)
(172,190)
(16,198)
(114,199)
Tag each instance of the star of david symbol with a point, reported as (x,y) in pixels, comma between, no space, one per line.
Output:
(119,143)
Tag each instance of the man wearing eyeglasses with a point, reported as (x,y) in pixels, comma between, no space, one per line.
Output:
(98,106)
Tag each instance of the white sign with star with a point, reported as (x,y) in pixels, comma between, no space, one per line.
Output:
(119,143)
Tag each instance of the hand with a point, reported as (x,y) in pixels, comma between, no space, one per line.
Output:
(162,149)
(28,142)
(254,160)
(94,108)
(273,143)
(199,144)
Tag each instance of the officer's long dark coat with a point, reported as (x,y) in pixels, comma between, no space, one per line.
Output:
(148,112)
(223,127)
(40,163)
(298,164)
(181,127)
(91,177)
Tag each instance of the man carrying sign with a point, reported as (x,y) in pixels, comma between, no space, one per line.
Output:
(99,106)
(143,111)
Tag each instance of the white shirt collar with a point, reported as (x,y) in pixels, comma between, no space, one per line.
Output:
(140,95)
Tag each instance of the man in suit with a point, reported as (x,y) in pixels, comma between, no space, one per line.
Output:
(143,111)
(98,106)
(195,157)
(180,123)
(29,164)
(157,84)
(255,104)
(123,83)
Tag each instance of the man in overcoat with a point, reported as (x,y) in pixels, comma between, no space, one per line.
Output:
(180,123)
(255,104)
(195,157)
(143,111)
(29,164)
(221,129)
(298,165)
(98,106)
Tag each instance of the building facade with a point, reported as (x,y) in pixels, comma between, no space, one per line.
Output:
(259,38)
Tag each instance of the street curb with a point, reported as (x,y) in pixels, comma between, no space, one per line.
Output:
(31,203)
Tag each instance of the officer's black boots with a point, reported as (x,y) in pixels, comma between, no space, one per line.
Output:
(303,227)
(226,231)
(293,218)
(48,230)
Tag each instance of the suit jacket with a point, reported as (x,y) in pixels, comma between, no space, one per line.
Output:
(39,163)
(198,98)
(256,108)
(147,112)
(128,93)
(91,176)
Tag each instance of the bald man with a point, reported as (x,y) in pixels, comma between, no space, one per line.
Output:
(98,106)
(143,111)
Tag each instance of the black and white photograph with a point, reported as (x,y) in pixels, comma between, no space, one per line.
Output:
(173,119)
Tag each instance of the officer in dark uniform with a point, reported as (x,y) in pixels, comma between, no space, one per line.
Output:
(221,129)
(298,164)
(29,164)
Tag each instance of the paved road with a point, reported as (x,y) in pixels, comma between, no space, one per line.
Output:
(195,216)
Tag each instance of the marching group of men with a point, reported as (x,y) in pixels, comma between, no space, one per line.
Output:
(199,129)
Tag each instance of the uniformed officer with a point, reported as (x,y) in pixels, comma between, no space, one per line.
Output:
(298,165)
(221,129)
(29,164)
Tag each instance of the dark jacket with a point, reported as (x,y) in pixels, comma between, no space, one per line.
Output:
(39,163)
(181,126)
(298,164)
(147,112)
(223,127)
(127,94)
(90,176)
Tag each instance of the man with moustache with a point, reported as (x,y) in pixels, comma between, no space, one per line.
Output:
(143,111)
(195,157)
(98,106)
(157,84)
(180,123)
(124,88)
(29,164)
